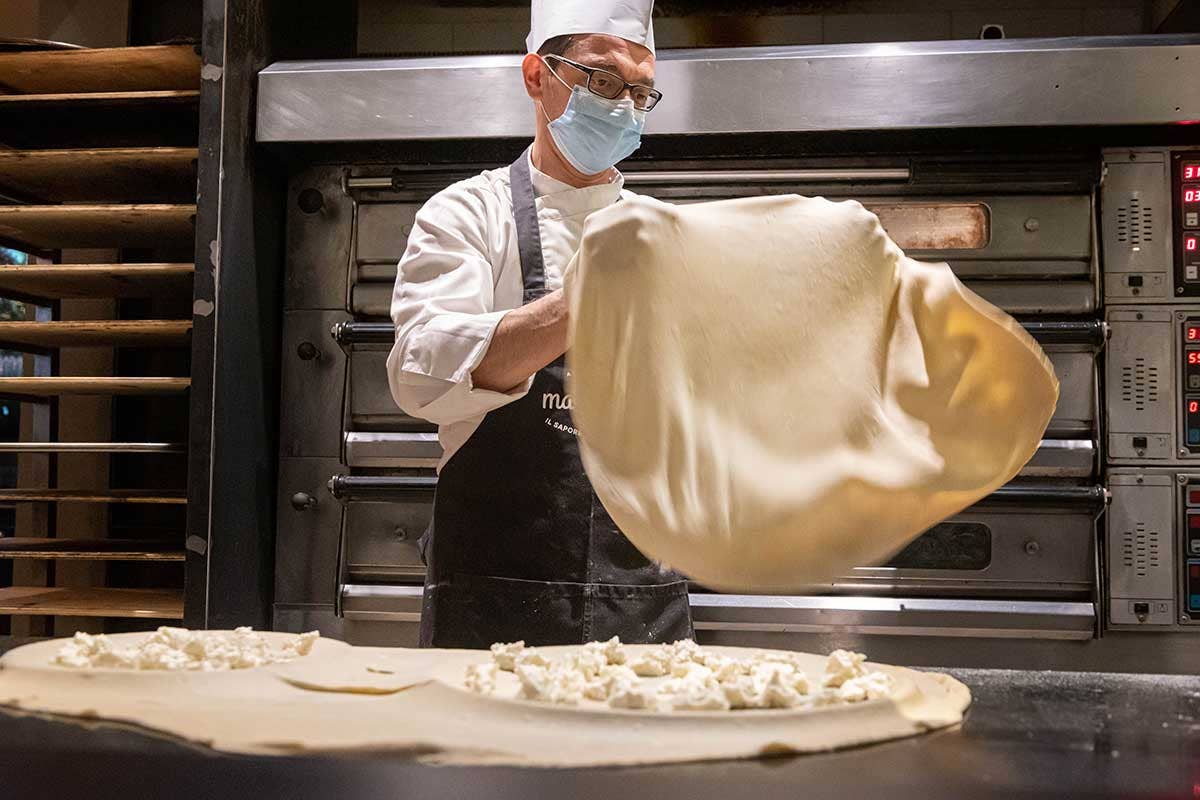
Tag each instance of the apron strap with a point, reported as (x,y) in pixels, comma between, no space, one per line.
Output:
(529,235)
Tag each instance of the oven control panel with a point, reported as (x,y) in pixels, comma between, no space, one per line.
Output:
(1185,190)
(1189,584)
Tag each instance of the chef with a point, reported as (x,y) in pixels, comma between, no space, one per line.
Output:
(520,547)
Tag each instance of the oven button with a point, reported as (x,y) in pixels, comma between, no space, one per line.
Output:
(1194,381)
(1191,219)
(1189,272)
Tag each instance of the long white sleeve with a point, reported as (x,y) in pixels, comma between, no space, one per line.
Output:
(444,310)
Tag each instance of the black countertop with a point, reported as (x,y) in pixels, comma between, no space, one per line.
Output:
(1045,734)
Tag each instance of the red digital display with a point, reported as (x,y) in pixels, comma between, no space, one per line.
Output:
(1193,333)
(1191,172)
(1193,406)
(1191,194)
(1190,243)
(1194,357)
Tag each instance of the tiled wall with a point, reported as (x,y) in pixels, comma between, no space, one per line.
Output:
(406,27)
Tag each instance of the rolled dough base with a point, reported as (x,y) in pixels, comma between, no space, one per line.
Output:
(342,698)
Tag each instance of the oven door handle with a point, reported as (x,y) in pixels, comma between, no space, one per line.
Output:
(380,487)
(1088,332)
(759,176)
(348,334)
(1044,496)
(1092,332)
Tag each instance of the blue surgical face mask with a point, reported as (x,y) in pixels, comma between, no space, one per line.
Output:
(592,133)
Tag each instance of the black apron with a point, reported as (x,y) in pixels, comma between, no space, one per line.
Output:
(520,547)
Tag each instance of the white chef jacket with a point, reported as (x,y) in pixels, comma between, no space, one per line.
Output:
(460,274)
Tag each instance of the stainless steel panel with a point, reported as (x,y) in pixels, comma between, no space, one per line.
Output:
(371,299)
(382,603)
(1032,554)
(1098,81)
(313,385)
(371,403)
(381,539)
(383,230)
(307,529)
(1077,401)
(420,450)
(1140,545)
(1062,458)
(319,229)
(1139,381)
(1038,297)
(894,616)
(1135,220)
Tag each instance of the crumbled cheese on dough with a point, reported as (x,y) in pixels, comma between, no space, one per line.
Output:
(560,683)
(504,654)
(694,679)
(612,650)
(872,686)
(481,678)
(652,663)
(182,649)
(611,680)
(842,666)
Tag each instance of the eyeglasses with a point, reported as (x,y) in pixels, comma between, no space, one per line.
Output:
(610,86)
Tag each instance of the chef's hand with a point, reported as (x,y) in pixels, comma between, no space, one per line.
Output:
(527,339)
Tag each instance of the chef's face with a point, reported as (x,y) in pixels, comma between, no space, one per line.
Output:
(632,62)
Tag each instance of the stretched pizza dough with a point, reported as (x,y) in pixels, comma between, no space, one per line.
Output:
(332,701)
(769,393)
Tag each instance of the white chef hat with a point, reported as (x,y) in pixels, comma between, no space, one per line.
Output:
(628,19)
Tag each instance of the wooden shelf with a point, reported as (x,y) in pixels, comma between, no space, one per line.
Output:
(98,225)
(117,333)
(135,496)
(101,70)
(97,280)
(150,174)
(92,447)
(89,549)
(54,387)
(49,601)
(82,102)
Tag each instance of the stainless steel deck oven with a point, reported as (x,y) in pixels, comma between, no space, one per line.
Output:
(1051,179)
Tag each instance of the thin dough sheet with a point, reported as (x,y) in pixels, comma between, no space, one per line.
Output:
(768,392)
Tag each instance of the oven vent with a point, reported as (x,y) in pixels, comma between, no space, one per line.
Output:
(1139,550)
(1135,223)
(1139,384)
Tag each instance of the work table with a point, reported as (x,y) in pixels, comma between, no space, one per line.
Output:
(1054,734)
